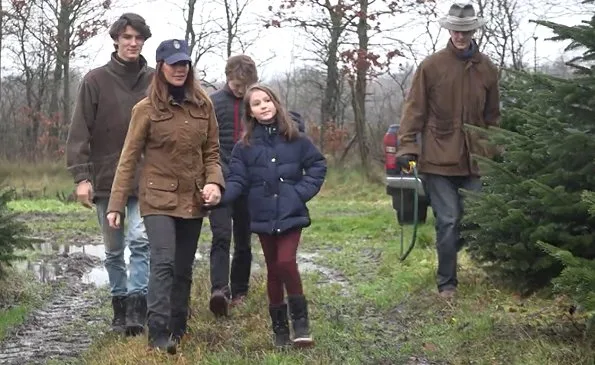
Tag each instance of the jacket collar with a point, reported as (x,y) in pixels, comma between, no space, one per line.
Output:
(472,54)
(127,68)
(262,131)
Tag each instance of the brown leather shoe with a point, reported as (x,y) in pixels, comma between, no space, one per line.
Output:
(219,304)
(238,300)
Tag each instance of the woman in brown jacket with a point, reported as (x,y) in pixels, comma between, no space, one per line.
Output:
(175,131)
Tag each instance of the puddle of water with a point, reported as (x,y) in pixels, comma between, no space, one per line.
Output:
(46,270)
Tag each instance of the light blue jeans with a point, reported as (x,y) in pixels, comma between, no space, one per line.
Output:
(122,283)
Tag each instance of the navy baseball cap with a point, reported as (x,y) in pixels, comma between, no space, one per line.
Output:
(172,51)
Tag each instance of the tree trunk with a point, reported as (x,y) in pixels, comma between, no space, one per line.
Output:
(347,149)
(1,37)
(65,120)
(190,34)
(328,107)
(230,30)
(63,59)
(61,42)
(358,88)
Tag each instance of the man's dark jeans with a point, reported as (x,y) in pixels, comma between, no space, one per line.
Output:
(447,205)
(222,226)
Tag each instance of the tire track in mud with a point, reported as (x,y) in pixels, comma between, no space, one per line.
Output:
(59,329)
(56,331)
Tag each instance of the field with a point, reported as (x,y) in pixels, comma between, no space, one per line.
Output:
(367,307)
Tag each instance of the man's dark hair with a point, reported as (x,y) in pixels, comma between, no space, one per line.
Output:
(136,21)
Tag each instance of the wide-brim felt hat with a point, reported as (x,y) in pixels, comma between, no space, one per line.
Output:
(461,18)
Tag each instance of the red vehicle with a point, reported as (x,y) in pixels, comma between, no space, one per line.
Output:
(402,186)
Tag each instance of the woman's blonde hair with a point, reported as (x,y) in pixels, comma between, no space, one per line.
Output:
(158,92)
(287,127)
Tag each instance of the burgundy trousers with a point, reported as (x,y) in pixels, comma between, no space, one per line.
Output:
(280,254)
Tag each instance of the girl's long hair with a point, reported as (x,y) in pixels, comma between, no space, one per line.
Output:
(158,92)
(287,127)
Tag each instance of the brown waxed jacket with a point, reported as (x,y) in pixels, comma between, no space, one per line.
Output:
(181,155)
(448,92)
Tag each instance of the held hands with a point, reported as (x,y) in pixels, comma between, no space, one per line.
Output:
(211,194)
(403,162)
(113,219)
(84,193)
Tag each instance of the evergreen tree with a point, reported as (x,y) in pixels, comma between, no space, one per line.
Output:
(578,277)
(12,232)
(534,190)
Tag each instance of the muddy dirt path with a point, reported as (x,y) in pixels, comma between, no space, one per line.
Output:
(57,330)
(72,263)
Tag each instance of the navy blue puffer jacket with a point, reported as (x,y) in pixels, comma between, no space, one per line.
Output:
(279,177)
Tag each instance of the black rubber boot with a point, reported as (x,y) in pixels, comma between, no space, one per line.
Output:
(280,325)
(136,314)
(161,340)
(298,307)
(178,326)
(119,320)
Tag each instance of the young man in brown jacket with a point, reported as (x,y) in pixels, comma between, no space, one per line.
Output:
(95,139)
(455,86)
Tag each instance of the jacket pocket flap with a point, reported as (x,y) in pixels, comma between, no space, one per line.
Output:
(198,113)
(161,116)
(162,184)
(441,127)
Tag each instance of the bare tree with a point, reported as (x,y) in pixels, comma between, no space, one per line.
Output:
(234,12)
(429,13)
(5,15)
(44,35)
(202,33)
(325,29)
(505,37)
(207,31)
(366,61)
(71,23)
(500,36)
(2,16)
(402,78)
(35,60)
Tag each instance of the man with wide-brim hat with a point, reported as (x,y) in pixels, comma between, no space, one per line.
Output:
(461,18)
(453,87)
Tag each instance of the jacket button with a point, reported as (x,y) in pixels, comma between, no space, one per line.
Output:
(278,230)
(273,159)
(281,179)
(186,121)
(172,184)
(150,183)
(275,195)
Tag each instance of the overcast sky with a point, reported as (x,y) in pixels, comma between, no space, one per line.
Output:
(280,48)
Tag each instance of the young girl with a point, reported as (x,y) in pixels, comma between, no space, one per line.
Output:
(175,129)
(280,170)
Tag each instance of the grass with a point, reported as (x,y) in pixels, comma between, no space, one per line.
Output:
(388,313)
(46,179)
